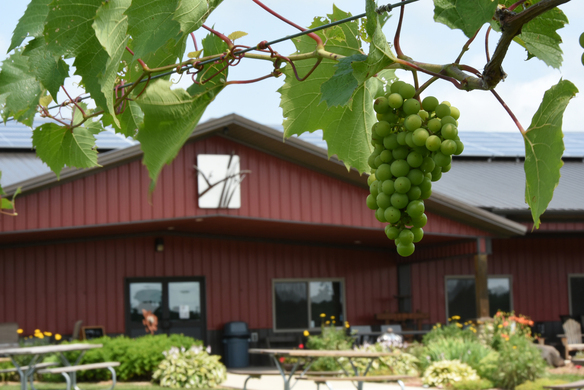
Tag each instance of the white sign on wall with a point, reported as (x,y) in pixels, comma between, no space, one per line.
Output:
(219,181)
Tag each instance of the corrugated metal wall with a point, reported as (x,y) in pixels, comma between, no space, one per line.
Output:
(50,287)
(276,189)
(539,268)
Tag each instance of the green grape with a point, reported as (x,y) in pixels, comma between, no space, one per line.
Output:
(386,156)
(414,193)
(400,168)
(390,142)
(371,179)
(407,91)
(371,161)
(447,103)
(459,148)
(423,114)
(420,136)
(427,165)
(420,222)
(449,131)
(412,122)
(434,125)
(448,147)
(392,214)
(418,233)
(415,208)
(383,129)
(446,168)
(442,110)
(455,112)
(406,236)
(415,159)
(436,173)
(442,159)
(401,138)
(388,187)
(383,200)
(380,215)
(448,119)
(395,100)
(426,194)
(396,85)
(433,143)
(416,176)
(401,153)
(406,250)
(389,117)
(411,106)
(378,149)
(426,185)
(430,103)
(381,105)
(399,201)
(378,161)
(391,232)
(421,149)
(582,40)
(582,59)
(383,172)
(410,139)
(371,202)
(402,185)
(374,188)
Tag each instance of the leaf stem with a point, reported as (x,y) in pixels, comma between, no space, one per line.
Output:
(396,44)
(511,114)
(466,46)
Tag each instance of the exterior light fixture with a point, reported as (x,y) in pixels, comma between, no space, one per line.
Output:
(159,244)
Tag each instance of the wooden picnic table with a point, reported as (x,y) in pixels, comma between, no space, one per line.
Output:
(309,356)
(26,374)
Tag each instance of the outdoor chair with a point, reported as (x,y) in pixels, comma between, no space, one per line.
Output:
(572,339)
(361,333)
(8,334)
(396,328)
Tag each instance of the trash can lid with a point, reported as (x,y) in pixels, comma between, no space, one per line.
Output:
(236,328)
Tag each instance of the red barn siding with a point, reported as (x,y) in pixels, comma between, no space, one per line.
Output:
(539,272)
(275,189)
(50,287)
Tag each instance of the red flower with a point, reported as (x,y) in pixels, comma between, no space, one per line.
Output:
(578,367)
(282,359)
(301,346)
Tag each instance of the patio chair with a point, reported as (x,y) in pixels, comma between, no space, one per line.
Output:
(396,328)
(361,333)
(8,334)
(572,339)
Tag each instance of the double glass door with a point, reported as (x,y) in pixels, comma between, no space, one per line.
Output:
(178,303)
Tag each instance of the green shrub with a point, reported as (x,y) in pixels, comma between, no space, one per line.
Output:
(330,338)
(468,351)
(519,361)
(401,363)
(479,384)
(489,365)
(190,368)
(446,372)
(453,330)
(138,357)
(538,384)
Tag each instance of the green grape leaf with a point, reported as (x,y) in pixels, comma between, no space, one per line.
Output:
(236,35)
(20,92)
(191,14)
(129,120)
(45,100)
(58,146)
(91,64)
(69,26)
(338,90)
(171,115)
(110,27)
(151,25)
(380,55)
(31,23)
(466,15)
(544,147)
(51,71)
(345,129)
(7,204)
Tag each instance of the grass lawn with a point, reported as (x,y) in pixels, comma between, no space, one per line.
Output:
(93,386)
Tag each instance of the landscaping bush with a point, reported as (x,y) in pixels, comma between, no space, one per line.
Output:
(190,368)
(138,357)
(468,351)
(519,361)
(331,338)
(401,363)
(453,330)
(446,372)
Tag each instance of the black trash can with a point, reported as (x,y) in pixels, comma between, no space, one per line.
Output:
(236,344)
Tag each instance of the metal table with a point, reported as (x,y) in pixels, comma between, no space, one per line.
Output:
(41,350)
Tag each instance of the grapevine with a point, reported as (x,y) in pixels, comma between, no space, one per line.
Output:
(414,144)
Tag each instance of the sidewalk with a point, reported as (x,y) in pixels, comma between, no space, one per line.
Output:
(275,382)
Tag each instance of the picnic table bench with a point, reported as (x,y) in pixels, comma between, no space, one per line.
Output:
(65,371)
(323,380)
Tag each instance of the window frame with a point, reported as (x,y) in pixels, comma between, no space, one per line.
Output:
(570,276)
(501,276)
(307,281)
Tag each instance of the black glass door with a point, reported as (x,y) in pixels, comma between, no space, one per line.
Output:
(178,303)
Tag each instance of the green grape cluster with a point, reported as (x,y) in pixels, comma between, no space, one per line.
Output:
(413,145)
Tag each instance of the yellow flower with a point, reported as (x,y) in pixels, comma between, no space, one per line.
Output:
(515,347)
(48,334)
(19,331)
(328,322)
(39,335)
(57,336)
(322,315)
(456,317)
(459,325)
(500,325)
(37,331)
(332,317)
(306,333)
(334,322)
(347,324)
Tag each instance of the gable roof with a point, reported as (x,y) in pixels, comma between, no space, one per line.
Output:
(297,151)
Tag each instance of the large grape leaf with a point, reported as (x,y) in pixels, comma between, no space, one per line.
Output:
(466,15)
(59,146)
(51,71)
(191,14)
(544,147)
(380,54)
(346,129)
(151,25)
(338,90)
(31,23)
(110,27)
(19,90)
(171,115)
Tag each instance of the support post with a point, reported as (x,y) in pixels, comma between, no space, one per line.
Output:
(481,272)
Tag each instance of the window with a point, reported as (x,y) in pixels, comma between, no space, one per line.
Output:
(576,286)
(298,304)
(461,297)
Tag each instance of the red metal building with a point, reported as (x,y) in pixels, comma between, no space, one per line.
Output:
(95,246)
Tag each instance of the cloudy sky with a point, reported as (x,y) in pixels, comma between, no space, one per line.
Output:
(422,39)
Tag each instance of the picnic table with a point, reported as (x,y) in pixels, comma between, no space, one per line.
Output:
(309,356)
(26,372)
